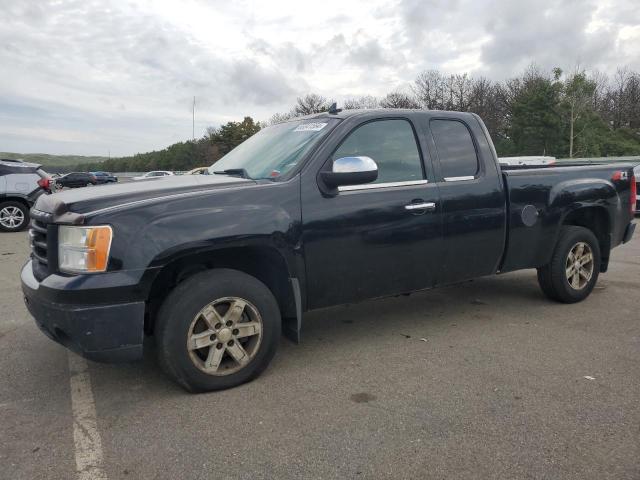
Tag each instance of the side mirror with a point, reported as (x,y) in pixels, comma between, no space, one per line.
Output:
(351,171)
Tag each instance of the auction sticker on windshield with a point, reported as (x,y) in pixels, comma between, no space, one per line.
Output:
(310,127)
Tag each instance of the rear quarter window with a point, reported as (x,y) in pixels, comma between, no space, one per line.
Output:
(455,148)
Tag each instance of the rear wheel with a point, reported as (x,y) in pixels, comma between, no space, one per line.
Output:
(217,329)
(14,216)
(574,267)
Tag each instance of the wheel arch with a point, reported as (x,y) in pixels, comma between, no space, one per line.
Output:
(588,203)
(17,198)
(598,220)
(263,262)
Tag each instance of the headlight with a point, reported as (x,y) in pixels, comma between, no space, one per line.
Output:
(84,249)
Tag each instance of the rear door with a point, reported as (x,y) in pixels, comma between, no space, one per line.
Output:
(472,197)
(373,240)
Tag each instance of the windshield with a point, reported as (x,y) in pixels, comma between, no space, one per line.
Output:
(275,150)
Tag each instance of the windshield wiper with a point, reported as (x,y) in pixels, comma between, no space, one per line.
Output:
(234,172)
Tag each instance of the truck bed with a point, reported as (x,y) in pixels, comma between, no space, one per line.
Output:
(540,198)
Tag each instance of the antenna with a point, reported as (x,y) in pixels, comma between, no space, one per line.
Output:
(193,119)
(333,109)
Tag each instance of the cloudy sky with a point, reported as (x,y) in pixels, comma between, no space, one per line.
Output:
(88,77)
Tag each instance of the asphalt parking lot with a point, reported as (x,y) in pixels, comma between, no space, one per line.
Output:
(482,380)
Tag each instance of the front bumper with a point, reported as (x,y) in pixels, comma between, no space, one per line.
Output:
(110,332)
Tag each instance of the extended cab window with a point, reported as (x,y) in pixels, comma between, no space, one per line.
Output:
(391,144)
(456,151)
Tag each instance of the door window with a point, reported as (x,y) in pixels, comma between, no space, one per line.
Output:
(456,151)
(391,144)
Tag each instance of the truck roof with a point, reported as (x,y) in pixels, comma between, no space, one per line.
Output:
(385,112)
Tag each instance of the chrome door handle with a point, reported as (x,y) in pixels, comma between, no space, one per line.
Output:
(421,206)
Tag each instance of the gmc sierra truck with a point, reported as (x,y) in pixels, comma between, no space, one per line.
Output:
(323,210)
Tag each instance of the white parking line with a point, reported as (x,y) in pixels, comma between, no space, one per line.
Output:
(85,425)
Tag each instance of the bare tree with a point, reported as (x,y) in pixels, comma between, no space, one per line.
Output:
(601,82)
(461,87)
(428,88)
(311,103)
(617,96)
(399,100)
(365,101)
(577,98)
(279,118)
(632,101)
(487,100)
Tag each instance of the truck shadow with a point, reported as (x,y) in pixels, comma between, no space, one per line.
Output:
(333,331)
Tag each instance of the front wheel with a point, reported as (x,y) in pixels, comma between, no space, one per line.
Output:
(574,267)
(217,329)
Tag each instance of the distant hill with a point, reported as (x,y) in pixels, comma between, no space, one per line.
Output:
(53,161)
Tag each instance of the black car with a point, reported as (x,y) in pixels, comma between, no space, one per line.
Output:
(76,179)
(105,177)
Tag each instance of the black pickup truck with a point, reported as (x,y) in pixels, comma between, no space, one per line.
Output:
(323,210)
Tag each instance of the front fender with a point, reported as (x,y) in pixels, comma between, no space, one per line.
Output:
(149,235)
(175,235)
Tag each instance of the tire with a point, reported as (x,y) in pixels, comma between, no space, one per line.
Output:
(554,278)
(14,216)
(180,319)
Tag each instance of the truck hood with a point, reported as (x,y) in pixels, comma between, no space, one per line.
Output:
(69,205)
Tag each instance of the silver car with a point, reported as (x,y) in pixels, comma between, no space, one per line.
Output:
(21,184)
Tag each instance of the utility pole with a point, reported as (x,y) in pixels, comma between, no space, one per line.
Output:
(193,125)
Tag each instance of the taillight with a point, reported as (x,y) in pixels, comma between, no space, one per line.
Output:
(45,183)
(634,193)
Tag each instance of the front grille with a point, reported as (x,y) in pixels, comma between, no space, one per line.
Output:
(39,239)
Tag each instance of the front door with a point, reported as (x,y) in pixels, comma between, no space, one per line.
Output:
(376,239)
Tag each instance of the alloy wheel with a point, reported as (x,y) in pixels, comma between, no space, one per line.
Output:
(11,217)
(579,265)
(224,336)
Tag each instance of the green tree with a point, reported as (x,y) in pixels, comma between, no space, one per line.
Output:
(535,124)
(232,134)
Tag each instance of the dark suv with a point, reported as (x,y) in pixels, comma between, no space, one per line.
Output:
(76,179)
(105,177)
